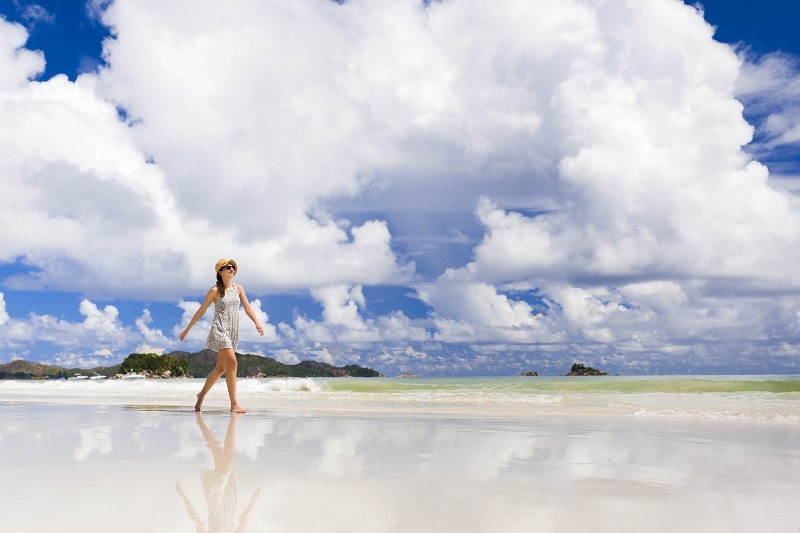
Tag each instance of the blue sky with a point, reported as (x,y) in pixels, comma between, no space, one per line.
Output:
(448,188)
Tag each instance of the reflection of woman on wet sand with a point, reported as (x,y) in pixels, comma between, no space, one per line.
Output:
(219,484)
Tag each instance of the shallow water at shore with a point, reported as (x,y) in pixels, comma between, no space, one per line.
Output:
(773,399)
(317,456)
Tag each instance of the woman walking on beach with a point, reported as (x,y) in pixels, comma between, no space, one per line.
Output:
(224,334)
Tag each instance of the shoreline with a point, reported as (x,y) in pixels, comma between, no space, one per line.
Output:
(767,401)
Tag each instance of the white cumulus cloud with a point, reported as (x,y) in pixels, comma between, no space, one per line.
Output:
(551,177)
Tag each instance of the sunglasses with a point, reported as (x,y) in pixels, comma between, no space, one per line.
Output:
(228,267)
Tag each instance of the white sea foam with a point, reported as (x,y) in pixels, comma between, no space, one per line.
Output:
(279,385)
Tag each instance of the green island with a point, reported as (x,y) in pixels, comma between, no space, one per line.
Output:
(581,370)
(185,364)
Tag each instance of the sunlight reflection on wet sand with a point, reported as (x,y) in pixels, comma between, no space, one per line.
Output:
(88,468)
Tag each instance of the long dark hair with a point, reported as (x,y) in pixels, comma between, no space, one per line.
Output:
(220,286)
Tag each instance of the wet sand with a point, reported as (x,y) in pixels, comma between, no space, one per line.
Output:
(121,468)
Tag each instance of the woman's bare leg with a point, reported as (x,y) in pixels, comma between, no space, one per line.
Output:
(211,380)
(231,366)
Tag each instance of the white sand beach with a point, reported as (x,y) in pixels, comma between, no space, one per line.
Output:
(313,466)
(91,468)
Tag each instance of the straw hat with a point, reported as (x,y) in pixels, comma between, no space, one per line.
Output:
(222,262)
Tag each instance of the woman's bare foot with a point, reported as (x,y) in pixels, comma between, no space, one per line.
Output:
(236,408)
(199,403)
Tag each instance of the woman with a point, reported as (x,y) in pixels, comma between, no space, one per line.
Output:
(224,334)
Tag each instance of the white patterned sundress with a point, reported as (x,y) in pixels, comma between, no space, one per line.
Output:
(225,326)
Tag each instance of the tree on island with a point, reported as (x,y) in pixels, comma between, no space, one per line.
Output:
(154,364)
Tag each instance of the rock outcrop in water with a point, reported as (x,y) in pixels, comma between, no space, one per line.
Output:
(580,370)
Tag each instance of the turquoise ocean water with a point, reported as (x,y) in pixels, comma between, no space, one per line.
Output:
(764,398)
